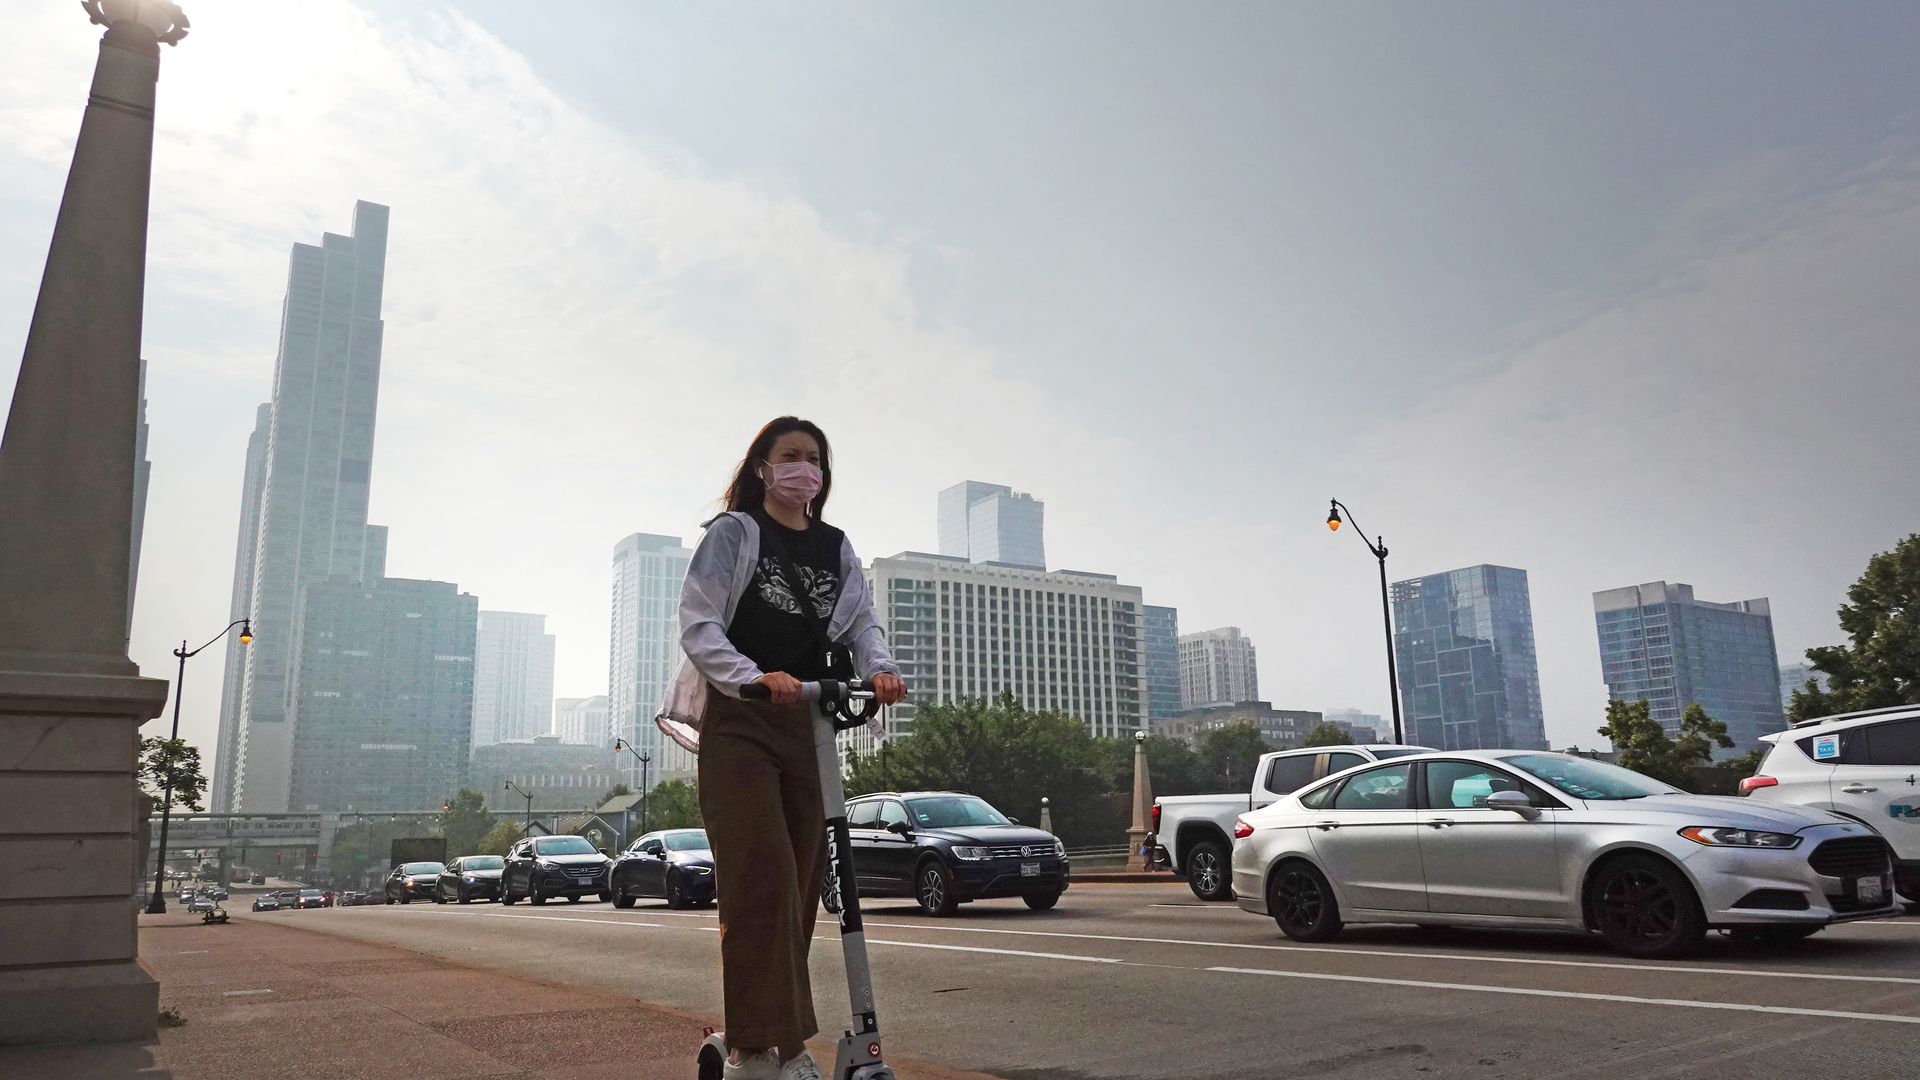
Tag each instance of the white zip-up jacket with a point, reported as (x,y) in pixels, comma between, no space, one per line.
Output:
(718,575)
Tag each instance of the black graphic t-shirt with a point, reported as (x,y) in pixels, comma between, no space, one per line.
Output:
(769,627)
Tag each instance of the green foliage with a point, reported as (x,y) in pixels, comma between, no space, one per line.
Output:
(1230,755)
(1172,765)
(1324,734)
(160,758)
(674,804)
(465,823)
(1644,746)
(615,792)
(1881,618)
(1009,756)
(500,837)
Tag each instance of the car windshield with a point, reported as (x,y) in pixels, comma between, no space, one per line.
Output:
(953,812)
(422,868)
(484,862)
(1594,781)
(562,845)
(686,841)
(311,892)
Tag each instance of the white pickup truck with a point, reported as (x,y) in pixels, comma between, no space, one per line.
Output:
(1193,834)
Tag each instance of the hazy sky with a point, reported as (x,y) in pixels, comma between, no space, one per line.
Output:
(1611,293)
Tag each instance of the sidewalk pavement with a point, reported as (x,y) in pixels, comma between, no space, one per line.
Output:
(267,1002)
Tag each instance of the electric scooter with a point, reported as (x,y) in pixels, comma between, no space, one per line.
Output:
(839,706)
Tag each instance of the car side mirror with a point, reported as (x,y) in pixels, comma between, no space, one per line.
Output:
(1015,820)
(1516,801)
(900,828)
(603,853)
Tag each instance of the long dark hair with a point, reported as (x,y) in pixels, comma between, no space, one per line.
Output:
(748,491)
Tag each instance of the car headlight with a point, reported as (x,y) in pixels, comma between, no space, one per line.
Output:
(698,869)
(470,880)
(1747,838)
(972,854)
(1059,849)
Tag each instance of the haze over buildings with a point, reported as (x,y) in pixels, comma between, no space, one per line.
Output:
(1217,667)
(512,677)
(1661,645)
(582,721)
(304,512)
(1468,675)
(644,651)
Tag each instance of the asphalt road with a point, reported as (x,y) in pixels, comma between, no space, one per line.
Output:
(1126,981)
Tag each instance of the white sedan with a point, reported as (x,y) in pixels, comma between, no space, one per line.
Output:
(1530,839)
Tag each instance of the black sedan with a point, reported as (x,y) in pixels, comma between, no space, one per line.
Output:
(413,881)
(266,902)
(475,877)
(945,848)
(675,864)
(541,868)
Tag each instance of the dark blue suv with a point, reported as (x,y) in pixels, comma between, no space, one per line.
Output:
(945,848)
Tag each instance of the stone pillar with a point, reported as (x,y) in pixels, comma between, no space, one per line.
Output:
(1138,857)
(71,702)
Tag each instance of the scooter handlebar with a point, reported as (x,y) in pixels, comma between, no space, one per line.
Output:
(812,691)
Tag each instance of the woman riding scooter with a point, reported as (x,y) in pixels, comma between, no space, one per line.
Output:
(775,596)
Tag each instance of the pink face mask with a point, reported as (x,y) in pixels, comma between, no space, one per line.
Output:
(794,482)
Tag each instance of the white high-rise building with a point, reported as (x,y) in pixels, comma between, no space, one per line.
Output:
(1217,667)
(992,523)
(644,650)
(1064,640)
(512,677)
(581,721)
(304,510)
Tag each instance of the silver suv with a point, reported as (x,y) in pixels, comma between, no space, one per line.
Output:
(1863,765)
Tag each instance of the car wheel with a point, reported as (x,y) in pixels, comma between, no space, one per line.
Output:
(1042,901)
(829,895)
(535,896)
(1644,907)
(389,898)
(1207,873)
(1772,935)
(506,895)
(465,897)
(1302,903)
(406,899)
(933,890)
(621,899)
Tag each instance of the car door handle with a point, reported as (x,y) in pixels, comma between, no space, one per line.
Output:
(1325,825)
(1440,822)
(1859,789)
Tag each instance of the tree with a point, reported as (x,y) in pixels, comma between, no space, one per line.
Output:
(1171,763)
(499,838)
(1230,755)
(1324,734)
(465,822)
(615,792)
(1882,620)
(1643,745)
(1008,755)
(674,804)
(161,758)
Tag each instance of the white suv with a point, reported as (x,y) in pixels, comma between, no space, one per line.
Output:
(1863,765)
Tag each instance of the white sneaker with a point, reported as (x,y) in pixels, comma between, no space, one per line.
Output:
(800,1068)
(764,1065)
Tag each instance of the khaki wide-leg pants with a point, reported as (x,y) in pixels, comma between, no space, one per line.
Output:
(760,798)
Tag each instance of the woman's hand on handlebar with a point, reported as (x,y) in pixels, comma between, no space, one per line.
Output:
(782,688)
(889,689)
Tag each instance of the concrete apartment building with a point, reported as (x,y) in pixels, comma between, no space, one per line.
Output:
(1217,667)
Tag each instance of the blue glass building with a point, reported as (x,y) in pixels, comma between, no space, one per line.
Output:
(1659,644)
(1469,677)
(1160,649)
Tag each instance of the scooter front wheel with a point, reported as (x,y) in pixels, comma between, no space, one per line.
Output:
(713,1059)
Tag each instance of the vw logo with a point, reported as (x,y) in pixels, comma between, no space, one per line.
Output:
(1026,853)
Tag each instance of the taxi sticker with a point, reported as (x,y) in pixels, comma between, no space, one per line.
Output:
(1826,747)
(1901,810)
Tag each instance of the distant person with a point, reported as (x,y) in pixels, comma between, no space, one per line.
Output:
(774,595)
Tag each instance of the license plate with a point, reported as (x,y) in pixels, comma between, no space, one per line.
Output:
(1029,869)
(1869,889)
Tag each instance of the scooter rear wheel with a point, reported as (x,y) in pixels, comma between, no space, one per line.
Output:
(712,1065)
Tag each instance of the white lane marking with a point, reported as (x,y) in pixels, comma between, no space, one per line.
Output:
(244,993)
(1678,1003)
(193,952)
(997,952)
(1666,969)
(1201,907)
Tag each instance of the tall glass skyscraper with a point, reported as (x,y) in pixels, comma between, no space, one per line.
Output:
(992,523)
(304,511)
(512,678)
(1469,677)
(1659,644)
(643,652)
(1160,653)
(384,677)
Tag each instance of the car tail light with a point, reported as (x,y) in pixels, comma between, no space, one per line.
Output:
(1156,817)
(1754,783)
(1241,830)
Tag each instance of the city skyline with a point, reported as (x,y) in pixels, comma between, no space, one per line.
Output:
(1469,678)
(1548,342)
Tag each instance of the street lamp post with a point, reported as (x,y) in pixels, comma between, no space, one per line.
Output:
(1378,546)
(645,759)
(157,902)
(510,787)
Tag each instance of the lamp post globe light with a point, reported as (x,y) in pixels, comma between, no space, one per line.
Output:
(1378,546)
(157,900)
